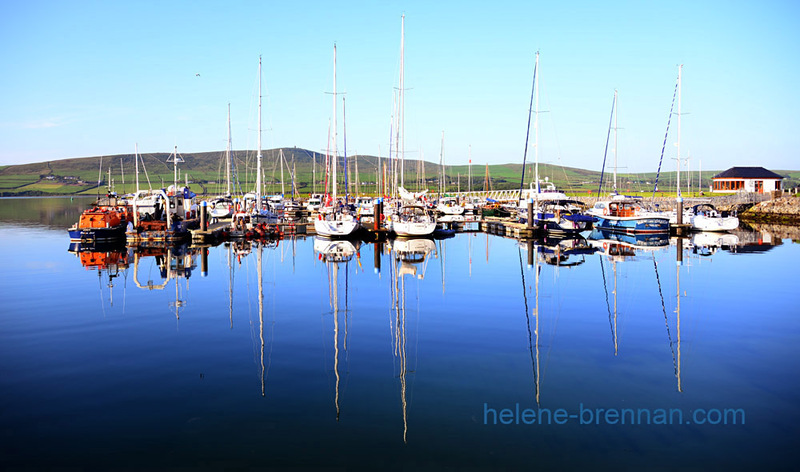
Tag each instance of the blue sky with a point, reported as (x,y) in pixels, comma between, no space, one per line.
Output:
(85,78)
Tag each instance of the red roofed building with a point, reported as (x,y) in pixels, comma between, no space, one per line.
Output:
(747,179)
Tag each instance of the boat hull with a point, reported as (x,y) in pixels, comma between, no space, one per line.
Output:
(632,225)
(335,228)
(704,223)
(413,229)
(113,233)
(568,224)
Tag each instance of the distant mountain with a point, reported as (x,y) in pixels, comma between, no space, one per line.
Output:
(206,170)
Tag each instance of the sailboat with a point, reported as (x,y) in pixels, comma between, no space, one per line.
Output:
(553,211)
(705,217)
(335,220)
(624,213)
(412,218)
(252,214)
(222,206)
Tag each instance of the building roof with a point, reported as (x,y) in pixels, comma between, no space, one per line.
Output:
(748,173)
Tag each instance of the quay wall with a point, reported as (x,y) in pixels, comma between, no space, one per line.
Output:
(749,206)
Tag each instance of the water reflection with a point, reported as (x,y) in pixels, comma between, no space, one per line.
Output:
(410,258)
(626,245)
(109,259)
(335,253)
(57,213)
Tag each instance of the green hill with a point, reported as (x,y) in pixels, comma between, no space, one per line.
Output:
(206,174)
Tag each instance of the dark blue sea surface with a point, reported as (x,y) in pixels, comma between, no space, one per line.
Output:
(471,352)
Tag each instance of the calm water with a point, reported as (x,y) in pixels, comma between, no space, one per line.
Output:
(162,359)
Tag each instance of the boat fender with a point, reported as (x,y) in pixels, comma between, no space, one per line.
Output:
(605,211)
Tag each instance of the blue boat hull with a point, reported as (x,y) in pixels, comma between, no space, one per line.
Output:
(114,233)
(633,225)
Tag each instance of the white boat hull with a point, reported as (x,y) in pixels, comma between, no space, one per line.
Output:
(704,223)
(407,229)
(336,228)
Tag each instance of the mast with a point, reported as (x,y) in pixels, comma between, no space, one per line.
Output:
(536,131)
(679,197)
(442,184)
(228,155)
(258,158)
(678,144)
(335,150)
(136,158)
(402,129)
(282,163)
(175,160)
(346,166)
(616,105)
(469,171)
(528,131)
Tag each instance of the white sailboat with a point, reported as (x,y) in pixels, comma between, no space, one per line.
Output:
(553,212)
(335,221)
(703,216)
(222,206)
(412,219)
(253,212)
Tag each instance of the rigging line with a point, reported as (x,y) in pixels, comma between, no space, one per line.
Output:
(527,136)
(608,305)
(608,138)
(666,322)
(527,317)
(664,145)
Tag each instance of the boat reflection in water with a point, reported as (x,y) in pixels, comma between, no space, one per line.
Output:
(708,243)
(410,258)
(626,245)
(335,253)
(621,250)
(562,252)
(109,258)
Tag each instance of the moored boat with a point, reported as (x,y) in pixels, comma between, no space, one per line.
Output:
(106,220)
(626,214)
(705,217)
(412,221)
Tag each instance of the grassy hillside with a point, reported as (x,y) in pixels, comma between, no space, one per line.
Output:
(206,173)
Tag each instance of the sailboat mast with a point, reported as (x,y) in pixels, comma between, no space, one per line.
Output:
(678,144)
(536,129)
(228,154)
(282,163)
(258,158)
(402,102)
(335,150)
(136,158)
(442,185)
(469,171)
(175,167)
(346,166)
(616,110)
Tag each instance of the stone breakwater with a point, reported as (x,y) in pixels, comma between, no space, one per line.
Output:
(777,210)
(784,209)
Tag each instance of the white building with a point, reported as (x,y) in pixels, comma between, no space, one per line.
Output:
(747,179)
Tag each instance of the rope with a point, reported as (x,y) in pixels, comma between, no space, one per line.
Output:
(664,145)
